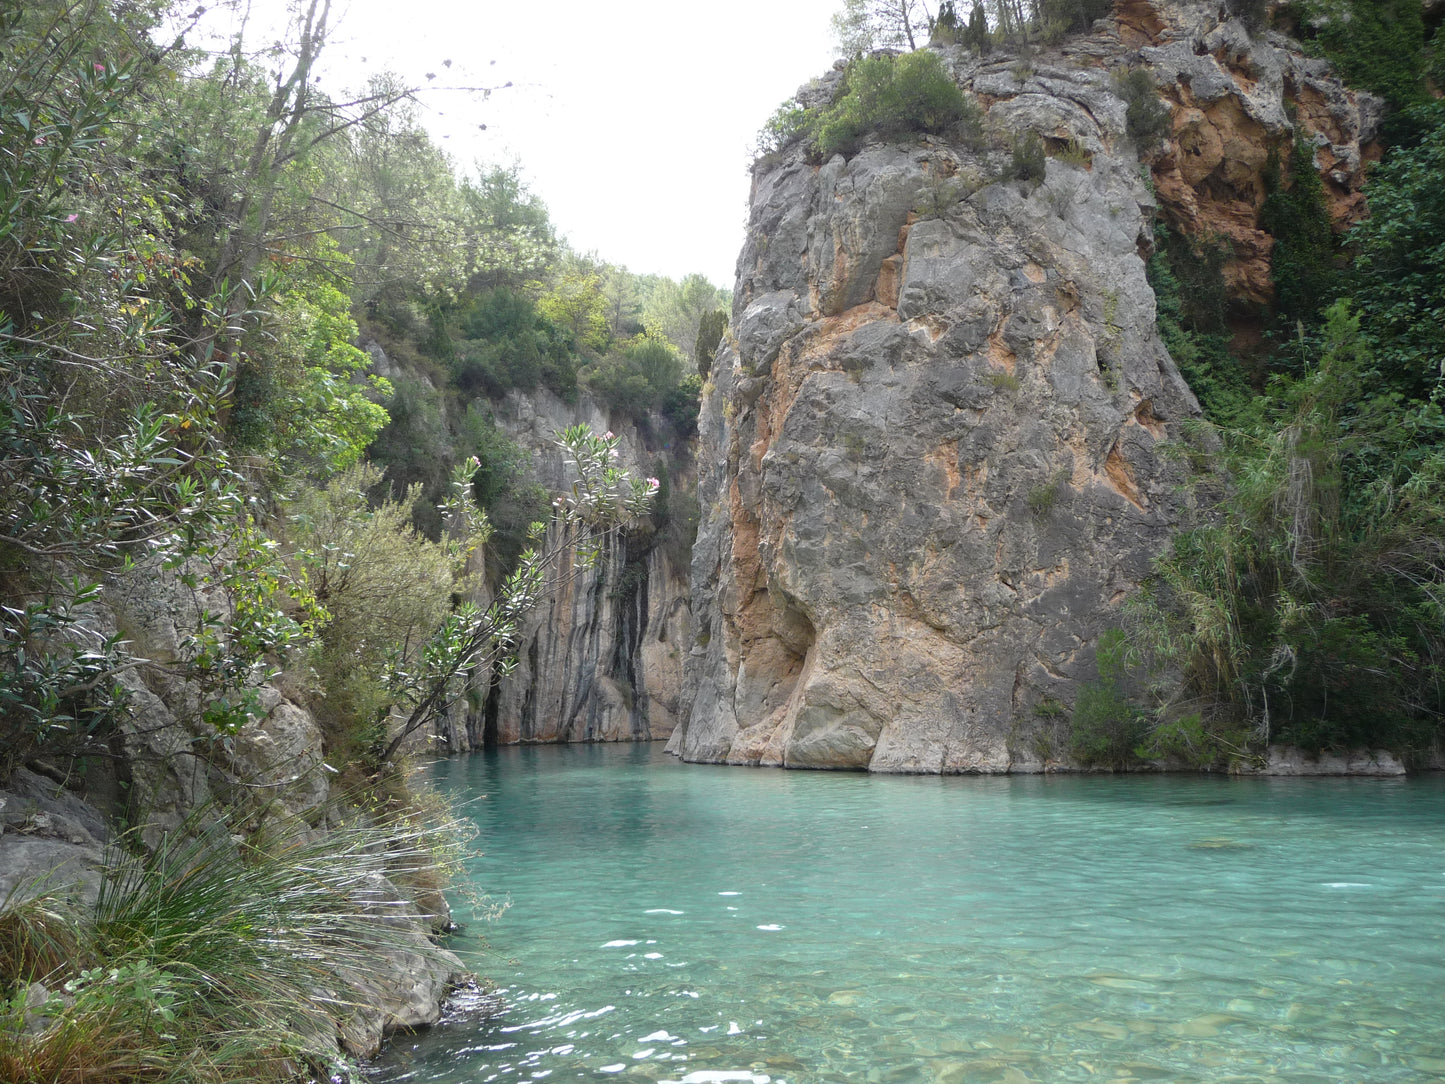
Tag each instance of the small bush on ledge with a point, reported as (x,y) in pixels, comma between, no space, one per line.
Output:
(1146,117)
(893,95)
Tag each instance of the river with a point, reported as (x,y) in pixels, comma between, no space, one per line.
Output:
(672,922)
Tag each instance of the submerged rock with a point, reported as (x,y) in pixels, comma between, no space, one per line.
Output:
(1289,760)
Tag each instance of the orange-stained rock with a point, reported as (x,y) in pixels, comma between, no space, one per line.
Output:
(932,461)
(1232,93)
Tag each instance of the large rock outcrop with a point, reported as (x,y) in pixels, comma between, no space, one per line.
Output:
(933,459)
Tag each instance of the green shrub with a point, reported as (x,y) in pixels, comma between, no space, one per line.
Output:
(1001,380)
(383,586)
(787,125)
(710,330)
(1377,44)
(1191,741)
(682,403)
(638,378)
(1399,277)
(893,95)
(414,448)
(208,960)
(507,344)
(1190,299)
(1294,212)
(1106,727)
(1029,163)
(1042,498)
(1146,117)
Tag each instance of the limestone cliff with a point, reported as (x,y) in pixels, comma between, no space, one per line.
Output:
(600,658)
(1237,97)
(933,459)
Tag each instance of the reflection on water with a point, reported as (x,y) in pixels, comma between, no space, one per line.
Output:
(675,922)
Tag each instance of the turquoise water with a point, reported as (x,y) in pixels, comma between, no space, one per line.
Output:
(674,922)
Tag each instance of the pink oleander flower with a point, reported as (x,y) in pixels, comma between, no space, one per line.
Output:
(654,484)
(71,218)
(39,141)
(99,67)
(609,435)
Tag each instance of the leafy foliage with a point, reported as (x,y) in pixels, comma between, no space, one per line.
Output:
(1376,44)
(1106,727)
(1190,298)
(508,344)
(788,124)
(639,377)
(1398,278)
(1313,609)
(892,95)
(113,443)
(1146,117)
(1294,212)
(384,587)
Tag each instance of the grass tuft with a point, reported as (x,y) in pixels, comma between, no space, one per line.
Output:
(217,958)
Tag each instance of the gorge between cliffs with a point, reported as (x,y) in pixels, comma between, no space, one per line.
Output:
(1059,482)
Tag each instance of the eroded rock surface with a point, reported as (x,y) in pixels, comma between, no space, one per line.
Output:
(601,655)
(171,772)
(1237,98)
(933,459)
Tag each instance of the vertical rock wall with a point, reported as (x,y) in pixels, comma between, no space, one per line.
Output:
(934,457)
(601,655)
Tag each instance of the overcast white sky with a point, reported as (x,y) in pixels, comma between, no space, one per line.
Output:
(631,119)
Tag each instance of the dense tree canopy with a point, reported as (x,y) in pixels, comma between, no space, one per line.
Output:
(189,245)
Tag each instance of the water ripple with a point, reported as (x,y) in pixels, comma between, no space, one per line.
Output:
(995,931)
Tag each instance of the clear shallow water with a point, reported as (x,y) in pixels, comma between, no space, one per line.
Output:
(674,922)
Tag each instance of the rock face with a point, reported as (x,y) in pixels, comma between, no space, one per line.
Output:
(932,462)
(1232,96)
(167,766)
(601,656)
